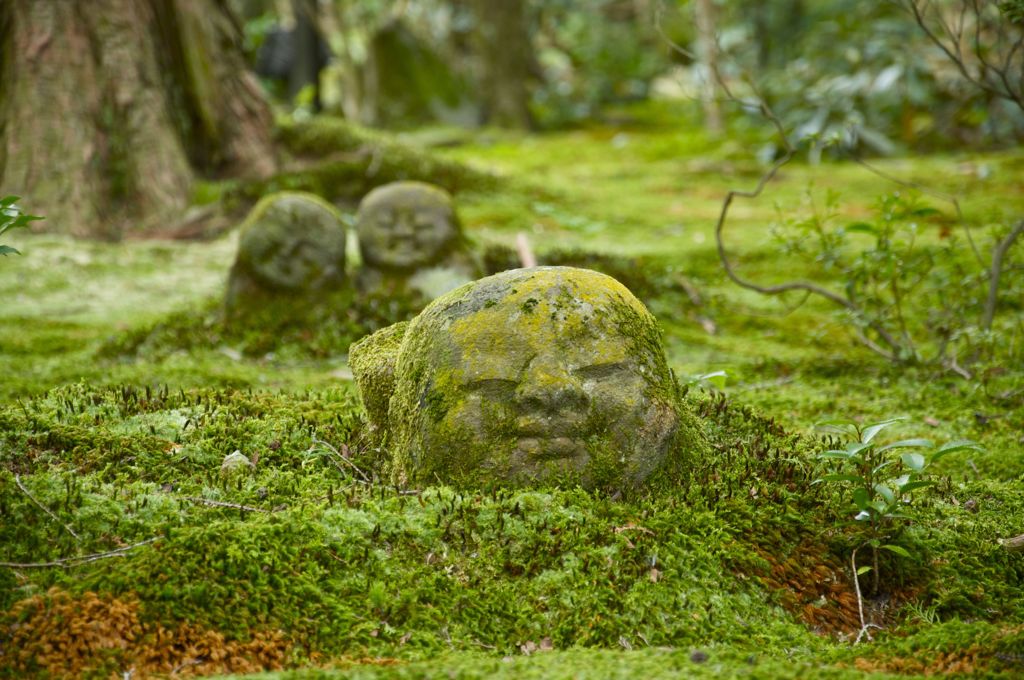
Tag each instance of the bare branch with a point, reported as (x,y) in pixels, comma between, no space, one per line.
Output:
(222,504)
(993,76)
(17,480)
(337,456)
(995,272)
(81,559)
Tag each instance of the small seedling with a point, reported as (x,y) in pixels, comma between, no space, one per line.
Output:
(879,482)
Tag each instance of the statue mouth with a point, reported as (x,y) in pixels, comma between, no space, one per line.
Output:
(552,448)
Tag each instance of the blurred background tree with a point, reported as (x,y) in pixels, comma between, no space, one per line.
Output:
(151,96)
(865,72)
(109,110)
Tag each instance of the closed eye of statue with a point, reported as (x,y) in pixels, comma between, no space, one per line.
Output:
(603,371)
(493,387)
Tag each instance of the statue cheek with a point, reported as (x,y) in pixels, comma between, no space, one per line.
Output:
(618,404)
(479,419)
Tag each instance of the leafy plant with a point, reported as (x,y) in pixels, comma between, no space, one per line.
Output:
(878,481)
(905,294)
(11,217)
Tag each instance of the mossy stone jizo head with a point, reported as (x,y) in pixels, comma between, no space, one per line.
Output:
(404,225)
(541,375)
(292,242)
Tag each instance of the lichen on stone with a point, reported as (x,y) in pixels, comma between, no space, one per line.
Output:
(532,376)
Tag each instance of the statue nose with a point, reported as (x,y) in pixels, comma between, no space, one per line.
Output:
(550,388)
(404,226)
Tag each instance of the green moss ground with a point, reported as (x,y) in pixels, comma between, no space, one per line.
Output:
(150,394)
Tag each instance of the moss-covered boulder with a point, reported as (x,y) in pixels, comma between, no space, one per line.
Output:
(372,361)
(410,239)
(533,376)
(292,245)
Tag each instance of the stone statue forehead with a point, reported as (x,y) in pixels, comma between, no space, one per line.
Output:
(497,325)
(409,195)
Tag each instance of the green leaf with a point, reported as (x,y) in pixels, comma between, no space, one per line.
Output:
(716,378)
(836,426)
(908,444)
(861,498)
(7,250)
(882,466)
(910,486)
(899,550)
(872,430)
(831,454)
(853,448)
(843,478)
(914,461)
(885,492)
(881,507)
(863,570)
(862,228)
(953,447)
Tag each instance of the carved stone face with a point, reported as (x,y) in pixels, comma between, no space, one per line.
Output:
(545,374)
(405,225)
(292,242)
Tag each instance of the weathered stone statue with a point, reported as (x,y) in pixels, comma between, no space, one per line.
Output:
(541,375)
(291,245)
(410,240)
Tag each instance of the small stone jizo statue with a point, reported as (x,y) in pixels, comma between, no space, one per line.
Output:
(292,245)
(410,238)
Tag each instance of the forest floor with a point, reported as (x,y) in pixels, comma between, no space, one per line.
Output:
(120,397)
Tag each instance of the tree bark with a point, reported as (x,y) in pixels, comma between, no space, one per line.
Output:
(112,108)
(503,42)
(707,55)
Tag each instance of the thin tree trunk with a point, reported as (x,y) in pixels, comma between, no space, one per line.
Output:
(707,55)
(503,41)
(98,134)
(230,123)
(306,64)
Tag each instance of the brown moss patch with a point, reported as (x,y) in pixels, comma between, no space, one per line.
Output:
(64,636)
(813,585)
(986,656)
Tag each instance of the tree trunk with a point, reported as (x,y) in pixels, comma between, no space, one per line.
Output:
(503,41)
(112,108)
(707,55)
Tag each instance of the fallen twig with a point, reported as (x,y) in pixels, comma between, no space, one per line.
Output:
(526,256)
(1015,544)
(320,442)
(223,504)
(81,559)
(17,480)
